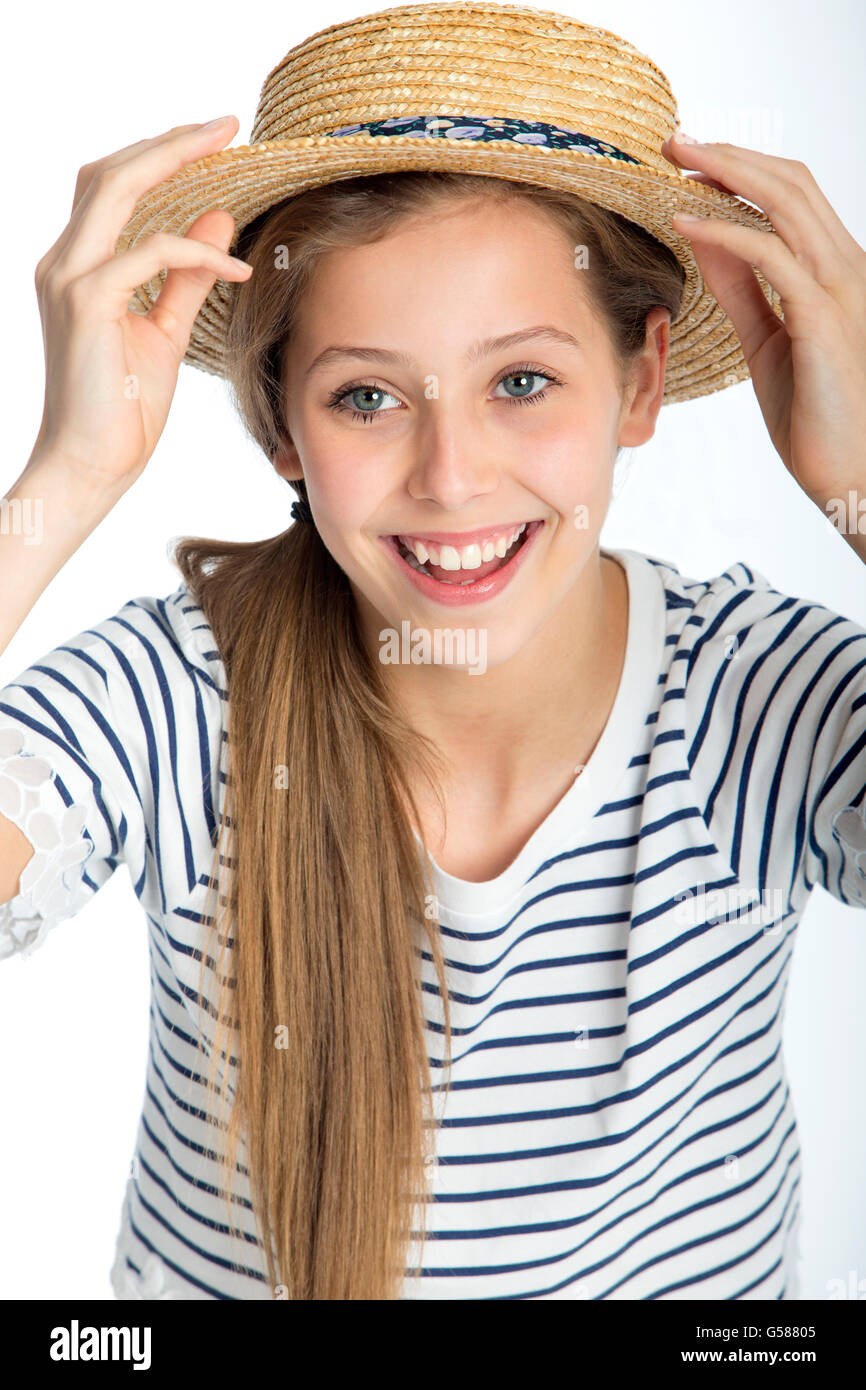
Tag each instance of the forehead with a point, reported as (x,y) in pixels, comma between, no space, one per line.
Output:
(460,257)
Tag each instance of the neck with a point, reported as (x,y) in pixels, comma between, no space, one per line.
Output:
(543,707)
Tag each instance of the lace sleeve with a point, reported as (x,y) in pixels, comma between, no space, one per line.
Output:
(849,830)
(110,753)
(66,782)
(51,884)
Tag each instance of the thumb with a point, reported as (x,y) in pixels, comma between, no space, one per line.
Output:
(733,283)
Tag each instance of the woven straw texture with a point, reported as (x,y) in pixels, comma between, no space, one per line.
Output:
(485,60)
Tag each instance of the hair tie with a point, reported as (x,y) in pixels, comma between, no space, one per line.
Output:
(301,511)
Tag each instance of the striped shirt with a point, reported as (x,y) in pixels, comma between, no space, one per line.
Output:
(619,1123)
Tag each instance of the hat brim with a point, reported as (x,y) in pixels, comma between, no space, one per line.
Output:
(705,354)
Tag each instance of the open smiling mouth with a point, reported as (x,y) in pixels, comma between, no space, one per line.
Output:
(458,574)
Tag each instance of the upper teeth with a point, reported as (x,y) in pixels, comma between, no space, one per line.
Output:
(468,557)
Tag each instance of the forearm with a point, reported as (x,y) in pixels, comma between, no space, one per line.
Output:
(846,512)
(44,517)
(858,545)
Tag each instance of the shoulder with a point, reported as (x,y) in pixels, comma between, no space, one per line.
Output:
(738,621)
(149,628)
(700,600)
(110,749)
(765,693)
(767,689)
(167,637)
(152,661)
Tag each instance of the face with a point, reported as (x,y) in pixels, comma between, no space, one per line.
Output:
(453,405)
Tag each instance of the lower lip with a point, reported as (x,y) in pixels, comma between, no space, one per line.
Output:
(461,595)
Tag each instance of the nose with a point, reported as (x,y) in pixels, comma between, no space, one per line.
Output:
(452,462)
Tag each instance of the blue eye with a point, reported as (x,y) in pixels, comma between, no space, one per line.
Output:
(367,411)
(525,392)
(526,375)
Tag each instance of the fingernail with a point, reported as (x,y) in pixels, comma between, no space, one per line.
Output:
(685,139)
(212,125)
(687,217)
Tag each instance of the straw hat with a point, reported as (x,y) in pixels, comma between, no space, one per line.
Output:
(503,90)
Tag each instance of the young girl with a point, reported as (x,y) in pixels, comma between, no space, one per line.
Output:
(472,853)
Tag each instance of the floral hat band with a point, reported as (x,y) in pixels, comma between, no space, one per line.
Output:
(487,128)
(587,114)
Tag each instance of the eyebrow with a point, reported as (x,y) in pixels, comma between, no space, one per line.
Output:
(483,348)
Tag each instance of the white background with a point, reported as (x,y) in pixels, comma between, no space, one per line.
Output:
(708,489)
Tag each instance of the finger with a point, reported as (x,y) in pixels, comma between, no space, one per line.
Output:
(787,193)
(110,287)
(802,296)
(670,152)
(792,169)
(709,183)
(185,290)
(87,171)
(704,158)
(735,286)
(85,178)
(701,178)
(111,195)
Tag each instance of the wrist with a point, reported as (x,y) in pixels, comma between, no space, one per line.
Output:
(846,512)
(82,491)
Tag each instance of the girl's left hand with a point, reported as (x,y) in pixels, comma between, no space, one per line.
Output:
(809,373)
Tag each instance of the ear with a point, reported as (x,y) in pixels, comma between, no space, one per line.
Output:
(638,420)
(287,461)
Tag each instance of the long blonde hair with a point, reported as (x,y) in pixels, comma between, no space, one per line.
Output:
(319,890)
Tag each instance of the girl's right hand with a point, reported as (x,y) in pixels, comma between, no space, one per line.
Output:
(110,374)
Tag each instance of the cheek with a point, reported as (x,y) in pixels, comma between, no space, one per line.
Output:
(341,473)
(573,470)
(345,492)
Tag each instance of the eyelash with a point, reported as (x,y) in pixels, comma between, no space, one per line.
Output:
(336,398)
